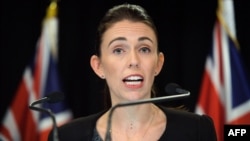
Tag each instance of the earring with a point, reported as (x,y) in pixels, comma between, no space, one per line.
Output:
(102,76)
(156,73)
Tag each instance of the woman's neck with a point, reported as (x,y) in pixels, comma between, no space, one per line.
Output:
(138,113)
(133,120)
(133,123)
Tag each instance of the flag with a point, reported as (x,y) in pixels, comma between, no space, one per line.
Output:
(225,89)
(40,78)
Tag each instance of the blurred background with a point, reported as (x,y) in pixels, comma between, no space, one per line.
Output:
(185,37)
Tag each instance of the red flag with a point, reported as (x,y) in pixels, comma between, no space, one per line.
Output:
(225,89)
(39,79)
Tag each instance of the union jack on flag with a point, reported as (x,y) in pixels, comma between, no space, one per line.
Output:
(225,90)
(39,79)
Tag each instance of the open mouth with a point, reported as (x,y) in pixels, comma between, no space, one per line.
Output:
(133,80)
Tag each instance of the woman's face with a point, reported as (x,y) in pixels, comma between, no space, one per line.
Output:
(129,60)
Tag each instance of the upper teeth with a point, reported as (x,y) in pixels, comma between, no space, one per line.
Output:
(134,78)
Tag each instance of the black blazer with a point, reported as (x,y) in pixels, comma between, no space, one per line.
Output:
(181,126)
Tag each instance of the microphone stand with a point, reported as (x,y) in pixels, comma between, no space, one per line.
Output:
(151,100)
(48,111)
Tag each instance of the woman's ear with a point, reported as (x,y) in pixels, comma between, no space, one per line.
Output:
(159,63)
(95,64)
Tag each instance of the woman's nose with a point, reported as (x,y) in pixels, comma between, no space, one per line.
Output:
(134,60)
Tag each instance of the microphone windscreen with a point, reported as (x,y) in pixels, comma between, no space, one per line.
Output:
(172,88)
(55,97)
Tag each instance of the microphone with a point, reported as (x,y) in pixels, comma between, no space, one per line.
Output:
(173,88)
(175,91)
(51,98)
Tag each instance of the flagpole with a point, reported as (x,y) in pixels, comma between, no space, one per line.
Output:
(221,13)
(52,9)
(52,12)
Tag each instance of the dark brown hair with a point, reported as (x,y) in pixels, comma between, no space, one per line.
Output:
(121,12)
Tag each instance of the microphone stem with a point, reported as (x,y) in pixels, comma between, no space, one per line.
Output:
(48,111)
(150,100)
(38,101)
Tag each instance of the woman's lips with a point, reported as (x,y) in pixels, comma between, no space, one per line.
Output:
(133,81)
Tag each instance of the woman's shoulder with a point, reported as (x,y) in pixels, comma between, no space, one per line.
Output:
(181,121)
(82,122)
(184,115)
(183,125)
(78,129)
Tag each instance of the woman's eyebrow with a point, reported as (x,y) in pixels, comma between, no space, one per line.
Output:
(124,39)
(117,39)
(145,38)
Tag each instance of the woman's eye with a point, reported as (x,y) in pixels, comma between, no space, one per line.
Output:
(145,50)
(118,51)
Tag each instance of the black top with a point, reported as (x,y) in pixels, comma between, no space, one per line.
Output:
(181,126)
(96,136)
